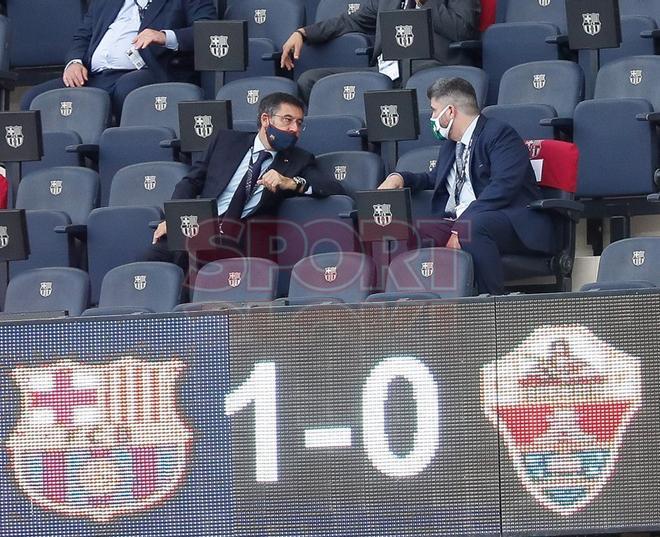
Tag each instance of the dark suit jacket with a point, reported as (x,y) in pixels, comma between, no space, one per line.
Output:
(502,178)
(175,15)
(211,175)
(453,20)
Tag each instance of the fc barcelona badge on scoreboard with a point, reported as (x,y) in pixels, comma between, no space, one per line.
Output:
(98,441)
(562,402)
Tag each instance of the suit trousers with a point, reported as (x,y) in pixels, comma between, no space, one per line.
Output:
(486,237)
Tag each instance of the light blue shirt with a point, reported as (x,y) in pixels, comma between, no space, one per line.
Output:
(111,50)
(224,199)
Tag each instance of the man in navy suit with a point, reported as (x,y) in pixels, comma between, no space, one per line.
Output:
(251,175)
(154,30)
(483,183)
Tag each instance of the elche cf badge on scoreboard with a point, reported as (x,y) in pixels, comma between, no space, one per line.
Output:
(593,24)
(200,120)
(384,214)
(392,115)
(406,35)
(20,136)
(14,243)
(221,45)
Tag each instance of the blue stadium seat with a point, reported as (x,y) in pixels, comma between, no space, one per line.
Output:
(48,289)
(271,19)
(141,287)
(330,133)
(85,111)
(642,8)
(428,272)
(116,236)
(356,170)
(234,280)
(335,277)
(55,152)
(343,93)
(553,11)
(258,47)
(628,264)
(147,184)
(635,77)
(633,27)
(421,160)
(425,138)
(524,118)
(423,79)
(157,104)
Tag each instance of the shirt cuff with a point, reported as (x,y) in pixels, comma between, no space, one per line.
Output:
(171,41)
(72,61)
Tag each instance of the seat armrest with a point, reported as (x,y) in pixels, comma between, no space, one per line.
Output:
(272,56)
(559,39)
(653,118)
(174,143)
(563,123)
(8,79)
(78,231)
(364,51)
(650,34)
(569,208)
(86,150)
(357,133)
(470,45)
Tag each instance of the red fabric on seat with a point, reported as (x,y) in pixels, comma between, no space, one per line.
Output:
(559,167)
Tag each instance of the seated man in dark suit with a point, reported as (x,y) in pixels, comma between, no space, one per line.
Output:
(157,30)
(453,20)
(249,175)
(483,182)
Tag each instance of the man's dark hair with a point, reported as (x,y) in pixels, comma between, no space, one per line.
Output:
(458,91)
(271,103)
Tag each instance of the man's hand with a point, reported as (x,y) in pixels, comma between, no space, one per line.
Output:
(291,47)
(453,242)
(274,181)
(393,180)
(75,75)
(160,231)
(149,37)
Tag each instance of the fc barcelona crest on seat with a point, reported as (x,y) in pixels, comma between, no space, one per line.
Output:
(404,35)
(99,441)
(591,23)
(544,3)
(330,274)
(234,279)
(149,182)
(562,402)
(140,282)
(46,289)
(638,257)
(340,172)
(427,269)
(383,214)
(636,77)
(66,108)
(352,8)
(189,226)
(55,187)
(252,96)
(203,126)
(160,103)
(219,45)
(539,81)
(259,16)
(4,237)
(14,136)
(389,115)
(349,93)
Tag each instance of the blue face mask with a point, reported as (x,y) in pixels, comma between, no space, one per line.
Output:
(280,140)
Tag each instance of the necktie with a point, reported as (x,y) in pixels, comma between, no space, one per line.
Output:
(408,4)
(246,187)
(460,172)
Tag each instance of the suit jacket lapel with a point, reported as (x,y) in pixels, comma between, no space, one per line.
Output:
(446,163)
(152,11)
(233,155)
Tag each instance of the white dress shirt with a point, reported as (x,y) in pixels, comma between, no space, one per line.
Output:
(111,50)
(467,192)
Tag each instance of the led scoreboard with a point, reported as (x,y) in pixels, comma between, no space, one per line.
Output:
(507,416)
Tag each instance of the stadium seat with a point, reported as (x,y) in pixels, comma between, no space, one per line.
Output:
(141,287)
(85,111)
(334,277)
(55,153)
(48,289)
(425,138)
(156,105)
(246,93)
(258,48)
(633,42)
(553,12)
(147,184)
(343,93)
(428,273)
(356,170)
(525,118)
(422,160)
(330,133)
(233,281)
(422,80)
(116,236)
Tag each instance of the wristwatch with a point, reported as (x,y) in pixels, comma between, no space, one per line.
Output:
(301,183)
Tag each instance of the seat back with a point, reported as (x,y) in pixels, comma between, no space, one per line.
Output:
(257,47)
(635,259)
(636,77)
(55,154)
(423,79)
(272,19)
(329,133)
(240,279)
(116,236)
(552,11)
(85,111)
(343,93)
(156,105)
(122,146)
(48,289)
(328,9)
(421,160)
(556,83)
(632,43)
(355,170)
(68,189)
(444,271)
(147,184)
(148,284)
(644,8)
(246,93)
(524,118)
(345,276)
(338,52)
(425,138)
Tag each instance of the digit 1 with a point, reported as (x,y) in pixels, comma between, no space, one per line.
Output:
(260,388)
(427,435)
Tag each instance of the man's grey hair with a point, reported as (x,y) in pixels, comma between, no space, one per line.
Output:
(457,91)
(271,103)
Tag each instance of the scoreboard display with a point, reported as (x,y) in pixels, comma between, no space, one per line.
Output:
(508,416)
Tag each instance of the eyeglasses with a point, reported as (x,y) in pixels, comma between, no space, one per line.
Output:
(287,120)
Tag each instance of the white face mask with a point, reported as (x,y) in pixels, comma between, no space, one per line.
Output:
(440,132)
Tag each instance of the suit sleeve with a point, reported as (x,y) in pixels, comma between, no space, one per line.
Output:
(363,20)
(456,20)
(322,185)
(196,10)
(193,183)
(509,163)
(82,38)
